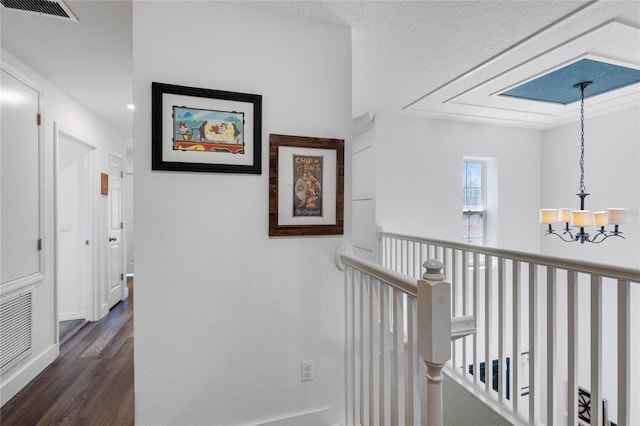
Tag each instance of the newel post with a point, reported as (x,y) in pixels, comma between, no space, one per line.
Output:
(434,334)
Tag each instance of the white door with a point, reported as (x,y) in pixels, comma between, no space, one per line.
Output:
(20,181)
(116,273)
(73,251)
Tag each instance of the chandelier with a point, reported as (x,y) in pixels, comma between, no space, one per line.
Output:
(583,218)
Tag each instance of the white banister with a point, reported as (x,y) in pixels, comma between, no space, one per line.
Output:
(434,334)
(377,294)
(552,333)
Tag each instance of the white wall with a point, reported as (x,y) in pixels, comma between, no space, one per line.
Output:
(419,178)
(59,108)
(224,314)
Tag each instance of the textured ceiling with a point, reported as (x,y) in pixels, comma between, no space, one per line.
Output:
(446,59)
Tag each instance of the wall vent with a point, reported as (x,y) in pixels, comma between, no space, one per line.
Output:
(53,8)
(15,329)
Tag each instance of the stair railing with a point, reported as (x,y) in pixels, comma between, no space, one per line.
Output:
(390,319)
(546,328)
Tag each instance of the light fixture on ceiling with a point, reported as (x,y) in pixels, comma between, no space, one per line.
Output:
(583,218)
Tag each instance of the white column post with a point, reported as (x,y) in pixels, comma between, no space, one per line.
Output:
(434,334)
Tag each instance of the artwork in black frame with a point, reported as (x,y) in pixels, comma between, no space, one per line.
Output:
(205,130)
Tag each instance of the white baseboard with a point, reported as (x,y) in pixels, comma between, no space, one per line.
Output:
(317,417)
(25,372)
(68,316)
(104,310)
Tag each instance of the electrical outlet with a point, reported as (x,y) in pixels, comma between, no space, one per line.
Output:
(307,371)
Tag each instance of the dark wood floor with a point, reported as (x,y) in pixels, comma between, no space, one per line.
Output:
(91,382)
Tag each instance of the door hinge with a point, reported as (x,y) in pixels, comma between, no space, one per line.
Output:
(121,225)
(121,174)
(121,277)
(39,244)
(38,119)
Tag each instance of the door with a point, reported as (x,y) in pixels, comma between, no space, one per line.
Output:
(74,226)
(20,182)
(116,225)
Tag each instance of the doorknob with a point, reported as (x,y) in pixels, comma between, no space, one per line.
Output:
(113,239)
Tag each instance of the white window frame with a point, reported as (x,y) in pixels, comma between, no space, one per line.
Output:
(482,211)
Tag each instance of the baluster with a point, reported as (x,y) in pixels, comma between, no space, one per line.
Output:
(395,377)
(488,327)
(361,345)
(409,376)
(454,307)
(596,351)
(624,352)
(476,297)
(384,330)
(422,257)
(465,302)
(501,332)
(551,346)
(353,346)
(370,348)
(533,342)
(515,352)
(572,347)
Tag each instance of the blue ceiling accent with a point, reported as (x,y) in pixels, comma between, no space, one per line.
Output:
(557,86)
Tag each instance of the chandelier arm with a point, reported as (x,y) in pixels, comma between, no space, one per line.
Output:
(561,237)
(604,236)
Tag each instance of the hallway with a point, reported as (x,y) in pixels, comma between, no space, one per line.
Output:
(91,382)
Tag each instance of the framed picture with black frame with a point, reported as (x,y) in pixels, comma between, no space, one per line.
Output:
(205,130)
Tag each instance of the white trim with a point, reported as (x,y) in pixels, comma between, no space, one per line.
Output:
(313,417)
(21,283)
(90,305)
(70,316)
(124,290)
(12,384)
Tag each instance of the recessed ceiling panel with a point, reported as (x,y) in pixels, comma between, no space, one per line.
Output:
(558,86)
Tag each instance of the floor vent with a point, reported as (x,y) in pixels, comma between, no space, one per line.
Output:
(15,329)
(53,8)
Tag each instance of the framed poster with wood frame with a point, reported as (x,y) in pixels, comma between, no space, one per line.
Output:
(205,130)
(306,186)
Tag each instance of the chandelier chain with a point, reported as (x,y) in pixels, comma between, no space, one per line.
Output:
(582,187)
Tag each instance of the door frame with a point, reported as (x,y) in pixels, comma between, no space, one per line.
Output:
(92,311)
(124,290)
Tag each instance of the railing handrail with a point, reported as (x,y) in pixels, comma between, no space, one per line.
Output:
(394,279)
(609,271)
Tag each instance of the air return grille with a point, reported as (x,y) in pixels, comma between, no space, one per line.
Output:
(55,8)
(15,329)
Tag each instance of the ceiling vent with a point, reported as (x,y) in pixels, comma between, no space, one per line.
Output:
(52,8)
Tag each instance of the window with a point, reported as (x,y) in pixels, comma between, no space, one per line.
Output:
(474,206)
